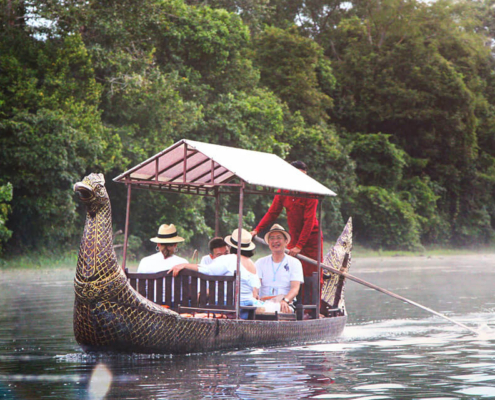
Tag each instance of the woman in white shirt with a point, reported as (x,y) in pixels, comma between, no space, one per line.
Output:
(227,265)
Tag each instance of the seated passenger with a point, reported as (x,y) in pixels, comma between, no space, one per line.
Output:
(227,265)
(217,247)
(281,275)
(165,258)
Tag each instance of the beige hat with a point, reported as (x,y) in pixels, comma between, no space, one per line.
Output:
(277,228)
(246,240)
(167,234)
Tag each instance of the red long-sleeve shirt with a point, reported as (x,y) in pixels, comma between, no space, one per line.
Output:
(301,217)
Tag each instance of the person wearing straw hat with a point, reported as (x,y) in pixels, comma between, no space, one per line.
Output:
(166,245)
(227,265)
(281,274)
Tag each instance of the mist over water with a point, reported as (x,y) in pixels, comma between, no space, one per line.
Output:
(389,350)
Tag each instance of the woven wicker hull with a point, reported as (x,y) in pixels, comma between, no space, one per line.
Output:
(163,334)
(109,315)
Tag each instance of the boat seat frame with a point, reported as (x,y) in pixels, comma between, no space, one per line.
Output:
(214,292)
(213,296)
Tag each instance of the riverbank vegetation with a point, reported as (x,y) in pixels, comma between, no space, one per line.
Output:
(391,103)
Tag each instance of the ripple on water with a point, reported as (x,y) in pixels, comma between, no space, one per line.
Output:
(483,391)
(349,396)
(472,378)
(379,387)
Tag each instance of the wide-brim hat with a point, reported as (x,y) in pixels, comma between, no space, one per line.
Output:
(246,240)
(277,228)
(167,234)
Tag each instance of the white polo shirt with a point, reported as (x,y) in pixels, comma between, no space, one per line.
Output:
(206,260)
(276,277)
(227,265)
(156,263)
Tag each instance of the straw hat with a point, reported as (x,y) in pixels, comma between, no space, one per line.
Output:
(167,234)
(277,228)
(246,240)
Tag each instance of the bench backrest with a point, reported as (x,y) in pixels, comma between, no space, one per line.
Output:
(189,288)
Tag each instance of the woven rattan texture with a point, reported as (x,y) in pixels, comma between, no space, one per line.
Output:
(335,258)
(109,315)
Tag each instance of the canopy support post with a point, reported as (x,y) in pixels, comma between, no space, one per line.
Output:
(239,243)
(217,212)
(318,258)
(126,234)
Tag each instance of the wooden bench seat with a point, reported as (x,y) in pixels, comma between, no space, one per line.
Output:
(190,289)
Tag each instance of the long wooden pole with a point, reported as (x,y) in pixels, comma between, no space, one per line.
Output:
(239,243)
(318,257)
(372,286)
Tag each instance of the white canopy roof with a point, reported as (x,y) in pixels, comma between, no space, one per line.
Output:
(201,167)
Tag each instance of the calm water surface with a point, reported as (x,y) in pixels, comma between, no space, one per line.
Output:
(389,350)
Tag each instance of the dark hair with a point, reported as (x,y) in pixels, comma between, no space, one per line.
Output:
(245,253)
(299,165)
(215,243)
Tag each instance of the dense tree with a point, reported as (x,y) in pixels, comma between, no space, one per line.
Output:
(295,69)
(390,102)
(5,209)
(51,131)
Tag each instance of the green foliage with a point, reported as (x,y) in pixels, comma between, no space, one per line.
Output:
(382,220)
(378,162)
(101,86)
(6,194)
(328,162)
(51,133)
(294,67)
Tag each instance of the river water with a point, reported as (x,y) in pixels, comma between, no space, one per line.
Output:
(389,349)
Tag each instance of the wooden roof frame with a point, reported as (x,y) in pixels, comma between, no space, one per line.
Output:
(213,180)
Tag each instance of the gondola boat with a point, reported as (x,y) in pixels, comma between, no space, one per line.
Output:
(118,311)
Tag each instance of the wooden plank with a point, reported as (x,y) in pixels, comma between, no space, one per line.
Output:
(160,299)
(212,290)
(194,291)
(230,293)
(151,289)
(186,290)
(221,293)
(142,287)
(177,291)
(204,310)
(169,280)
(202,297)
(314,288)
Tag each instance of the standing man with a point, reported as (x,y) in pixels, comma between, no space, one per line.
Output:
(217,247)
(166,246)
(281,275)
(302,221)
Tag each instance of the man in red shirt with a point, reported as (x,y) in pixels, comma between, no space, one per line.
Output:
(302,221)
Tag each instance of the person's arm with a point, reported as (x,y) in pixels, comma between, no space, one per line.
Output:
(270,216)
(294,290)
(309,223)
(179,267)
(256,293)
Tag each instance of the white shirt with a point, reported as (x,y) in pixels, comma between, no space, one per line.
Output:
(157,263)
(276,277)
(206,260)
(227,265)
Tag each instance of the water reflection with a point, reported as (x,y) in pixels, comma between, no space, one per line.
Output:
(388,350)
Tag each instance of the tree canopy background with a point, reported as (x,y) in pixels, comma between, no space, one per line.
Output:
(391,104)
